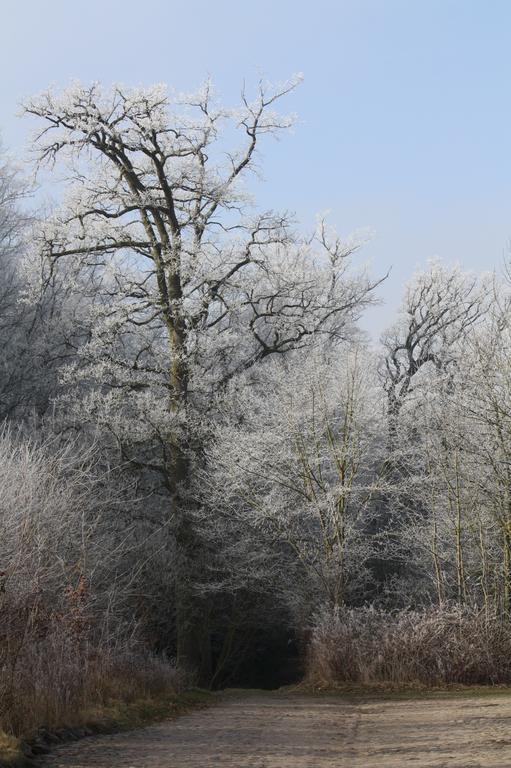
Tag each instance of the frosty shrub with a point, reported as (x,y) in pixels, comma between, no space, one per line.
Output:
(66,645)
(432,647)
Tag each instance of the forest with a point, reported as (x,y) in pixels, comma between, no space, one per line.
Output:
(210,474)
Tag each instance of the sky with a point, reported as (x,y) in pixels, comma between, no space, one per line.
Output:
(404,114)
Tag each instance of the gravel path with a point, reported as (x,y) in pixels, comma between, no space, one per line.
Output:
(293,731)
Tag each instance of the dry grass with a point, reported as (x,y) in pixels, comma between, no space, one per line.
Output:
(52,681)
(10,754)
(435,647)
(57,684)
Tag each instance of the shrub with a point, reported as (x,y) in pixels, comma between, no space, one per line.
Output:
(65,569)
(56,680)
(438,646)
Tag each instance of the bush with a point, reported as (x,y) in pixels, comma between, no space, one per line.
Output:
(67,642)
(431,647)
(57,681)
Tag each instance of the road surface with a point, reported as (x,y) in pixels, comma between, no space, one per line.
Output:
(282,730)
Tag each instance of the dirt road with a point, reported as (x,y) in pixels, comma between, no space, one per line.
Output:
(294,731)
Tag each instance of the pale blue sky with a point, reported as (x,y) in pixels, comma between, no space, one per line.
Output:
(405,111)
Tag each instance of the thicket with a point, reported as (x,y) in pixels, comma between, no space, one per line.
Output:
(68,647)
(432,647)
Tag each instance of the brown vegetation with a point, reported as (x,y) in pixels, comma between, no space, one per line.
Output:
(365,646)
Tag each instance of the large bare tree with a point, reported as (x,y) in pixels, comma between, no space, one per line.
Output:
(190,285)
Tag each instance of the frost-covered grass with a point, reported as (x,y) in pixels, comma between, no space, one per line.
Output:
(435,647)
(55,681)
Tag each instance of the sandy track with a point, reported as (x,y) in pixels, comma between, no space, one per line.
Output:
(293,731)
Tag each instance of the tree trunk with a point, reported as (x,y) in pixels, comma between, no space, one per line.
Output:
(193,645)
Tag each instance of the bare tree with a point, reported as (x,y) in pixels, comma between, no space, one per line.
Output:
(191,286)
(13,224)
(440,307)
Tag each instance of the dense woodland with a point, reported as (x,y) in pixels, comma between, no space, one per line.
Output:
(207,468)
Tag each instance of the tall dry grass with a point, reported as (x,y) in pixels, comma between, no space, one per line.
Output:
(366,646)
(57,680)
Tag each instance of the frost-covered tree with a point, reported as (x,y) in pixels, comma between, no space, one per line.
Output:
(420,354)
(297,463)
(486,403)
(39,330)
(192,286)
(13,223)
(440,307)
(453,508)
